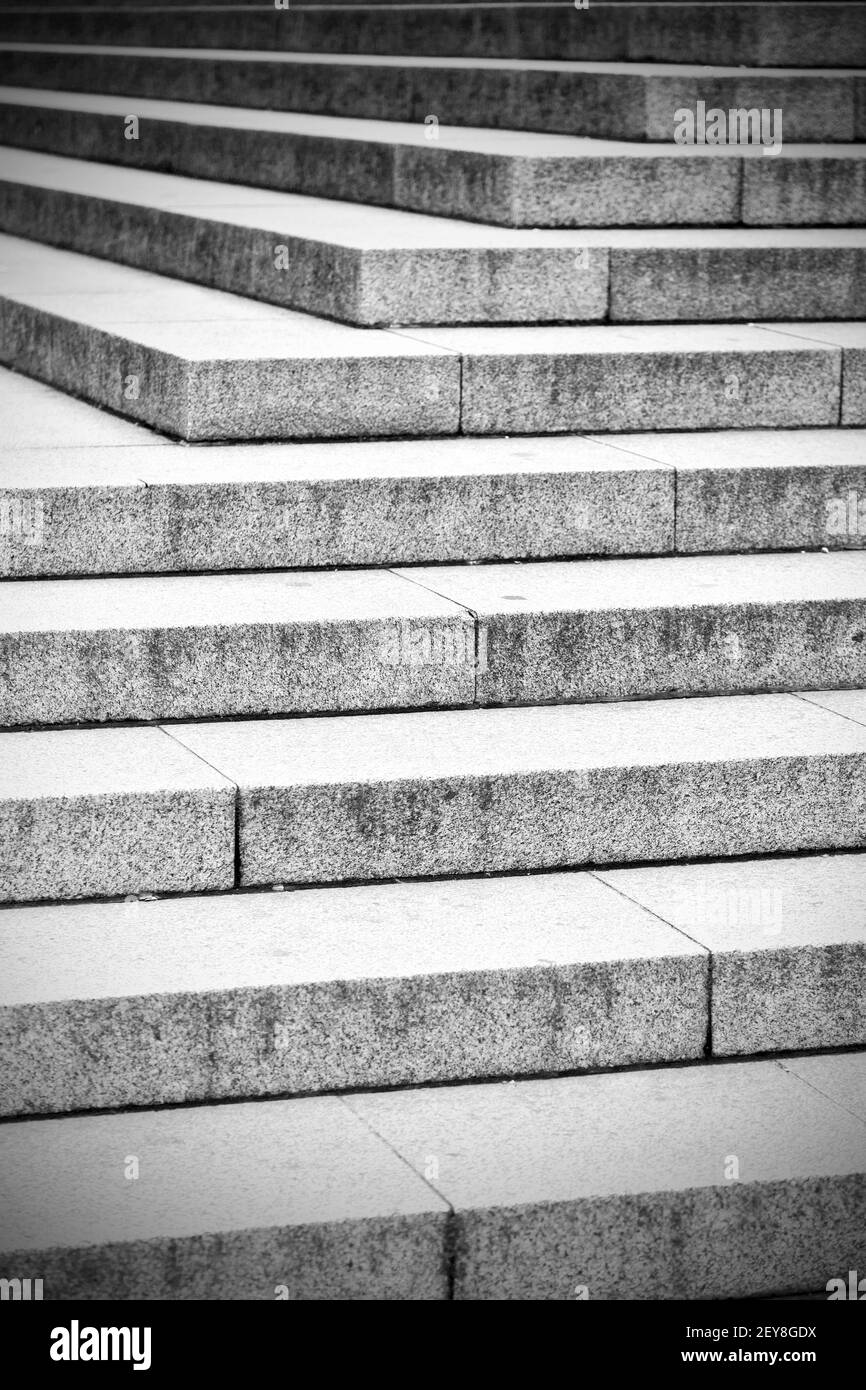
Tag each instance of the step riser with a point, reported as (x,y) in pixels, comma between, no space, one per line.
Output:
(263,668)
(201,671)
(477,825)
(451,286)
(569,191)
(176,1049)
(729,35)
(492,285)
(600,105)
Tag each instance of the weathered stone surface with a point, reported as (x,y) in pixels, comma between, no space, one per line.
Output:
(148,1003)
(851,339)
(184,646)
(794,35)
(380,796)
(97,812)
(841,1079)
(805,185)
(512,178)
(294,1199)
(519,380)
(614,100)
(202,364)
(741,273)
(360,264)
(82,510)
(788,943)
(728,1180)
(615,630)
(764,490)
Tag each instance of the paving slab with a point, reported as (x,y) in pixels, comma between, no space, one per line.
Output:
(203,364)
(186,999)
(293,1199)
(764,490)
(37,417)
(467,791)
(788,943)
(206,646)
(841,1078)
(850,704)
(610,100)
(709,1181)
(626,629)
(648,377)
(81,510)
(98,812)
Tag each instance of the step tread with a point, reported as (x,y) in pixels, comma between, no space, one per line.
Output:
(528,340)
(552,1160)
(446,592)
(308,642)
(53,765)
(369,934)
(482,743)
(504,177)
(225,601)
(851,704)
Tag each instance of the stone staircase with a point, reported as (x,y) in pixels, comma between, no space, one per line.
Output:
(433,631)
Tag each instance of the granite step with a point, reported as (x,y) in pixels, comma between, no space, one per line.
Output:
(787,943)
(774,35)
(214,646)
(234,995)
(505,177)
(307,642)
(735,1179)
(477,791)
(613,101)
(83,492)
(204,365)
(101,812)
(376,266)
(638,629)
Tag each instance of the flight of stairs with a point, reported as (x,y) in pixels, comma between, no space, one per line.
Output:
(432,652)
